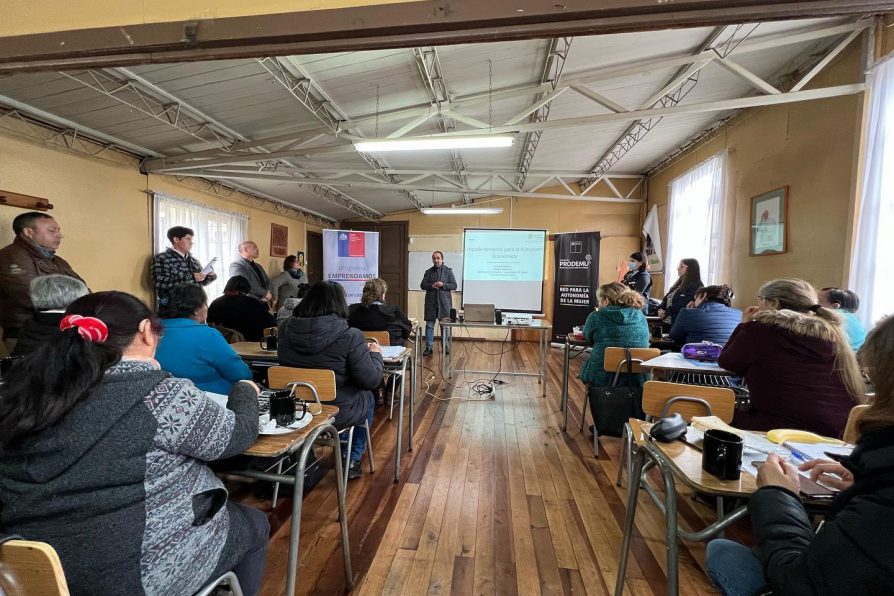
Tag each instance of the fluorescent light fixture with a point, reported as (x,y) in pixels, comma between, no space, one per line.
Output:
(434,143)
(462,210)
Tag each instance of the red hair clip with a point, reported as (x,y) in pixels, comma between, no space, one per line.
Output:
(90,328)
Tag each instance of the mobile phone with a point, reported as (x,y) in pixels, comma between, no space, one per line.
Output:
(808,487)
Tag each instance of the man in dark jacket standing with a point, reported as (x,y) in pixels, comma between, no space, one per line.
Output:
(31,254)
(438,282)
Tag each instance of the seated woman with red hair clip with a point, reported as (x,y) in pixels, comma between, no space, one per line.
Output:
(103,457)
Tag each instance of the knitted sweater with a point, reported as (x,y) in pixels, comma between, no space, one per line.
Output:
(119,486)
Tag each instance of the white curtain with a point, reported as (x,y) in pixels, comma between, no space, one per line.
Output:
(217,234)
(872,268)
(696,220)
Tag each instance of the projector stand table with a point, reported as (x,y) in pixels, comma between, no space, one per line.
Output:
(542,326)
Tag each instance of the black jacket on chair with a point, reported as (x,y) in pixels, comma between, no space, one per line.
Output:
(241,313)
(328,342)
(381,317)
(853,552)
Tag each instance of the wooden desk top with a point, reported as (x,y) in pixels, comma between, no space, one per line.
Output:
(277,445)
(252,350)
(575,340)
(686,461)
(675,361)
(537,324)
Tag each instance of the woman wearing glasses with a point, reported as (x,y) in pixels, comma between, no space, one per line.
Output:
(794,356)
(682,293)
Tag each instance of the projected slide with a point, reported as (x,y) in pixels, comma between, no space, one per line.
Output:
(504,268)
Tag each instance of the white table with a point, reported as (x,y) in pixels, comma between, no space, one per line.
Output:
(674,362)
(542,326)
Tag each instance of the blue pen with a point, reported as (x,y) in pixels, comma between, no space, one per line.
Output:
(799,458)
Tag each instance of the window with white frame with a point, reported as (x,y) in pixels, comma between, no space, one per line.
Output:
(872,268)
(696,220)
(217,234)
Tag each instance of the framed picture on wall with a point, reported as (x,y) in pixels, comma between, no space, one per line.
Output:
(769,222)
(279,240)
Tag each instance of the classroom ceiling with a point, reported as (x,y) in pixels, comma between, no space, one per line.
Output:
(284,127)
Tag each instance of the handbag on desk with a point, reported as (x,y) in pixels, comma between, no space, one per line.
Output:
(612,406)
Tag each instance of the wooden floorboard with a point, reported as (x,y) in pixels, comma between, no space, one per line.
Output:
(493,499)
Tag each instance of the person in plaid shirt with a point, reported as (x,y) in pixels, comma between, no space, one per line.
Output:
(176,266)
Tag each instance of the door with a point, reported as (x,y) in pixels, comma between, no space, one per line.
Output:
(314,256)
(394,240)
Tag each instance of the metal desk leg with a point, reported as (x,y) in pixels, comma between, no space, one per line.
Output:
(400,429)
(544,344)
(295,531)
(566,367)
(628,521)
(412,404)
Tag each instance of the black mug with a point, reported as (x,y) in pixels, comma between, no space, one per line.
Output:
(269,343)
(722,454)
(282,408)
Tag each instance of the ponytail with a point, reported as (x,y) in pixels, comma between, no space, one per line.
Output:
(43,387)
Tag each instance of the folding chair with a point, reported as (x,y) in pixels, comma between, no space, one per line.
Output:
(320,384)
(29,567)
(384,339)
(614,361)
(228,579)
(662,399)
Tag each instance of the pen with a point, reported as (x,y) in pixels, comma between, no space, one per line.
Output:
(799,458)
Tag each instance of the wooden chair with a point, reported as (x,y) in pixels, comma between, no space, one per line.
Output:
(663,399)
(850,429)
(322,382)
(381,337)
(28,567)
(230,335)
(615,360)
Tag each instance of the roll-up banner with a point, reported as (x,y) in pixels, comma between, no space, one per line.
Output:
(577,279)
(350,258)
(652,242)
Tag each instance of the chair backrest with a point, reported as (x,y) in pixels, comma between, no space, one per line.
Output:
(661,399)
(380,336)
(614,358)
(322,379)
(850,429)
(28,567)
(231,335)
(268,331)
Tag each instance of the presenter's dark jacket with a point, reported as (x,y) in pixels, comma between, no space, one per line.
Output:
(380,317)
(852,554)
(437,300)
(790,372)
(328,343)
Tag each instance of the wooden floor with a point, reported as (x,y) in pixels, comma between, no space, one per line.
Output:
(494,499)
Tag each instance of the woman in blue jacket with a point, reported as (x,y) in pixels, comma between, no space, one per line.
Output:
(711,320)
(192,350)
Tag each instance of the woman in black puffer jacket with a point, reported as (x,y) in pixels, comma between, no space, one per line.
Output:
(853,551)
(318,336)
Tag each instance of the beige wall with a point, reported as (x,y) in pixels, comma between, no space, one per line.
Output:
(104,211)
(812,148)
(617,222)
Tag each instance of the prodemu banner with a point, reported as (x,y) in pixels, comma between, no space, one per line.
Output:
(577,279)
(350,258)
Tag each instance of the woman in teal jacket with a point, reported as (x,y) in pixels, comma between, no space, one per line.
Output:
(618,322)
(192,350)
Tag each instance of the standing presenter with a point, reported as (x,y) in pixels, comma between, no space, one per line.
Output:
(437,282)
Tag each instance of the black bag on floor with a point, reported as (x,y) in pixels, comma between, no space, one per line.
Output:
(613,405)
